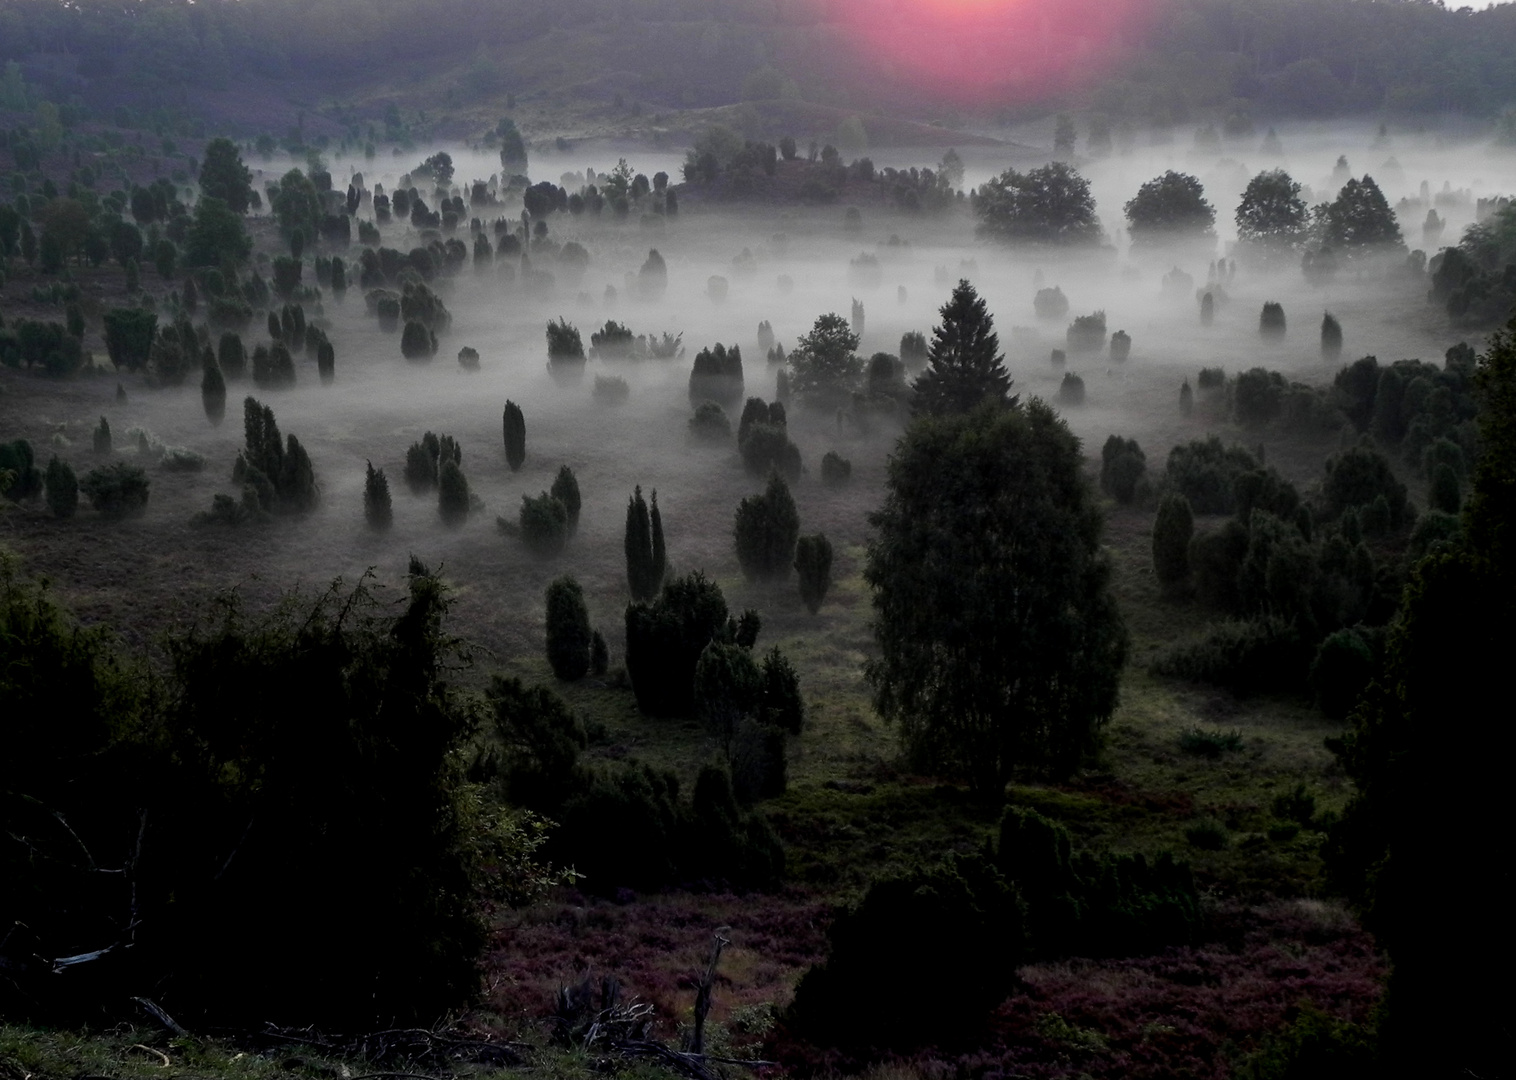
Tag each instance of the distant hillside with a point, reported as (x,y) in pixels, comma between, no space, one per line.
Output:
(392,69)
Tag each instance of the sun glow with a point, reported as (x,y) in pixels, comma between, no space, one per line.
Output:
(996,50)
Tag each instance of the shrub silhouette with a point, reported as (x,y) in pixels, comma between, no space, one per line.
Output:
(543,524)
(1122,466)
(62,489)
(117,489)
(766,530)
(566,490)
(568,629)
(377,510)
(514,425)
(710,423)
(1173,529)
(452,493)
(813,563)
(664,640)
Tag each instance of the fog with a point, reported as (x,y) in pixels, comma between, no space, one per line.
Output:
(380,403)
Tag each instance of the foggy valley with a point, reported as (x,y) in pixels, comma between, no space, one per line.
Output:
(839,711)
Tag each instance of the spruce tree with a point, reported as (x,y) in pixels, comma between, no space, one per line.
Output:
(569,639)
(376,499)
(766,530)
(62,489)
(639,549)
(965,365)
(566,490)
(813,562)
(515,435)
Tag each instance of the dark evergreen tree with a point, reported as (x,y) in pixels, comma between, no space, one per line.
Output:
(1173,529)
(569,638)
(514,425)
(213,389)
(766,530)
(1186,399)
(224,177)
(566,490)
(638,545)
(326,361)
(62,488)
(813,563)
(1271,322)
(543,524)
(659,566)
(452,492)
(117,489)
(1122,467)
(1331,337)
(377,510)
(600,654)
(664,640)
(965,365)
(979,689)
(231,356)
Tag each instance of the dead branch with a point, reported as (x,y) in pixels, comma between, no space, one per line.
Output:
(153,1009)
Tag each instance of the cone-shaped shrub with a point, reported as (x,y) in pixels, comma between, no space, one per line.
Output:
(566,490)
(569,638)
(62,489)
(766,530)
(813,562)
(103,437)
(452,493)
(376,499)
(213,390)
(1331,337)
(514,425)
(1172,531)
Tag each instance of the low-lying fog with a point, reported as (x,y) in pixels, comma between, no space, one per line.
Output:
(380,403)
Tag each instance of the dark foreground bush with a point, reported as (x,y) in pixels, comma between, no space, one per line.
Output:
(1343,667)
(314,744)
(664,640)
(921,960)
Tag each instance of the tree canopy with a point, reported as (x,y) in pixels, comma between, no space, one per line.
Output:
(1272,215)
(1360,218)
(1000,642)
(1170,206)
(1050,205)
(825,364)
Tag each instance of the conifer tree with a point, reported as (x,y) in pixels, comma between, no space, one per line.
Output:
(515,435)
(452,492)
(639,549)
(965,365)
(566,490)
(1331,337)
(659,567)
(569,639)
(376,499)
(62,489)
(213,389)
(766,531)
(1172,531)
(103,437)
(813,562)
